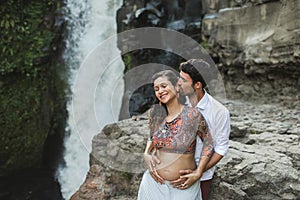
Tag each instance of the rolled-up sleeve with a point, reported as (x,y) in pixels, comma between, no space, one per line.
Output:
(221,142)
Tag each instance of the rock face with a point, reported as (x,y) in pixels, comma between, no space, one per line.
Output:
(183,16)
(33,98)
(263,161)
(32,88)
(116,162)
(255,44)
(257,47)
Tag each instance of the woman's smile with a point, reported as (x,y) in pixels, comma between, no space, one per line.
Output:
(163,96)
(164,90)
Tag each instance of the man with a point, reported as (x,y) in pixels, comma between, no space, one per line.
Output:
(191,84)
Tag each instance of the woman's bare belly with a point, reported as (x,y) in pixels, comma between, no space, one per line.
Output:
(171,163)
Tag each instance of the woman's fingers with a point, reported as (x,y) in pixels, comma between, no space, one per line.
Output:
(154,158)
(156,177)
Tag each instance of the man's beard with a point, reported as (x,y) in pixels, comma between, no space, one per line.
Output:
(182,93)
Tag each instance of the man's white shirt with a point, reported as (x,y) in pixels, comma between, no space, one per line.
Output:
(218,119)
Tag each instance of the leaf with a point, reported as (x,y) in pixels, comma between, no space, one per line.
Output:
(6,24)
(2,23)
(12,23)
(11,51)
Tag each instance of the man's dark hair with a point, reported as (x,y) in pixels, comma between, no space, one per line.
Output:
(198,70)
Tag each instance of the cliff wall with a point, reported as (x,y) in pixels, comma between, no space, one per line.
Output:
(32,85)
(255,45)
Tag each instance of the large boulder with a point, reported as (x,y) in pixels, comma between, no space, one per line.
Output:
(262,163)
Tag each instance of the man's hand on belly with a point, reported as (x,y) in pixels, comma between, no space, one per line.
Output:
(187,179)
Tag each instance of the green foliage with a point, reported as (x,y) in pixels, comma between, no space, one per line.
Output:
(32,91)
(22,127)
(127,61)
(24,36)
(126,175)
(30,110)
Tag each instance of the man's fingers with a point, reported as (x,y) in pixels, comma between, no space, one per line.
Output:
(181,186)
(185,171)
(186,176)
(177,181)
(184,186)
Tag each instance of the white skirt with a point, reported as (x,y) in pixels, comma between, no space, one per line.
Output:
(151,190)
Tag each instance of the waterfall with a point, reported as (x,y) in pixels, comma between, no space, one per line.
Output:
(93,103)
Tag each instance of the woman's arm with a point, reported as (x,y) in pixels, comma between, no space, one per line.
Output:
(205,136)
(207,151)
(149,146)
(151,162)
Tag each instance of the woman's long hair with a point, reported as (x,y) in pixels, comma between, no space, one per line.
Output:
(158,112)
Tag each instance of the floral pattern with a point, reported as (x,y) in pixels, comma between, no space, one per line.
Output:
(179,135)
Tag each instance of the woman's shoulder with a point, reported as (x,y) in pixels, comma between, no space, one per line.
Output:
(191,112)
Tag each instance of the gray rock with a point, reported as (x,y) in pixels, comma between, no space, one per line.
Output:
(262,162)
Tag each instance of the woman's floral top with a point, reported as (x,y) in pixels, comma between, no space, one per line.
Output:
(179,135)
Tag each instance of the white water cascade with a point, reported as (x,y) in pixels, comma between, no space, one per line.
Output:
(90,22)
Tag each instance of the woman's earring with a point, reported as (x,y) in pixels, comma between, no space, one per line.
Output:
(160,103)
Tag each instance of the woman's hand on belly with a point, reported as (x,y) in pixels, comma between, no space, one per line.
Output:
(151,167)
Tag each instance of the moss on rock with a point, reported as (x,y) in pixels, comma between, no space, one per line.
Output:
(32,89)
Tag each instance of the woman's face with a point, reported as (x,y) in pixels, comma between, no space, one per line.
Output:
(164,90)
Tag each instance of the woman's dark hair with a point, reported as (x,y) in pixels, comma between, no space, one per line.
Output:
(169,74)
(159,112)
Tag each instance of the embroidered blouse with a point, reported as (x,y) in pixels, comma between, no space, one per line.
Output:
(179,135)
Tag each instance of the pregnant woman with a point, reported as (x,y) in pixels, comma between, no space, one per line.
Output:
(173,131)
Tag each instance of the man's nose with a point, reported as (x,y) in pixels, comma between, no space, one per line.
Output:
(179,81)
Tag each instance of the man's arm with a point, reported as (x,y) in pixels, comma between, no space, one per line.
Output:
(215,158)
(190,177)
(221,145)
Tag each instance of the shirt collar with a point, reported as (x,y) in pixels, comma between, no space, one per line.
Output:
(202,104)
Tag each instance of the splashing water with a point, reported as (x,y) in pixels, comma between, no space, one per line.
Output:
(90,22)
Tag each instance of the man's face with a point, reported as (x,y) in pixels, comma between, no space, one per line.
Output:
(185,84)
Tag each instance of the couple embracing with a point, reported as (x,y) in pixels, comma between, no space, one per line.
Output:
(189,135)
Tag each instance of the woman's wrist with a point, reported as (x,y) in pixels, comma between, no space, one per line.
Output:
(148,146)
